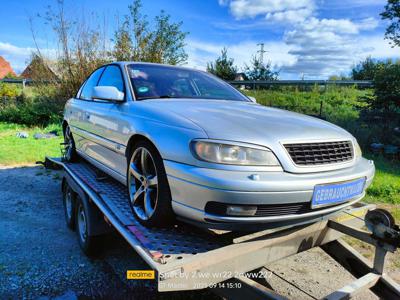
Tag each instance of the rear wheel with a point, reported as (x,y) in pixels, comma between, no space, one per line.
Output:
(69,154)
(90,245)
(149,193)
(69,206)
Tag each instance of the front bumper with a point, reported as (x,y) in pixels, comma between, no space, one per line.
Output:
(193,187)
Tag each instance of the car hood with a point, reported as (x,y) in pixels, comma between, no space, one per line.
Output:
(252,123)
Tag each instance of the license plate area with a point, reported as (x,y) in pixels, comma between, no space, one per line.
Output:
(335,193)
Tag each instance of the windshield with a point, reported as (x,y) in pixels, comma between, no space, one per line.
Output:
(156,81)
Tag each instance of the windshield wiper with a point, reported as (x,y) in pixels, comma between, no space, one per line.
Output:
(159,97)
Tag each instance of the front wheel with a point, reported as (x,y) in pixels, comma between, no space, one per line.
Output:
(149,193)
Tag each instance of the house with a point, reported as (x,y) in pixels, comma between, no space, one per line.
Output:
(5,68)
(39,68)
(240,76)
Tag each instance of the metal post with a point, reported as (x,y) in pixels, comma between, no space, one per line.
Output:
(379,259)
(320,109)
(261,51)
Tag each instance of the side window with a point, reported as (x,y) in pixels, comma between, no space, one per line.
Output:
(112,77)
(86,93)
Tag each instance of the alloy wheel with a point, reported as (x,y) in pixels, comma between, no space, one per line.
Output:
(143,183)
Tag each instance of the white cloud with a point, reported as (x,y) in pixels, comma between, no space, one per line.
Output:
(316,46)
(329,46)
(368,23)
(251,8)
(19,57)
(16,56)
(290,16)
(202,52)
(346,5)
(377,47)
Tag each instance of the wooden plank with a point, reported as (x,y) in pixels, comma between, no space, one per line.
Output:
(355,287)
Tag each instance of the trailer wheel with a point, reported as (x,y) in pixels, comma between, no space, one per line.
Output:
(90,245)
(69,205)
(148,188)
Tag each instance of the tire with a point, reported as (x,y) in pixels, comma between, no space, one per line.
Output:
(90,245)
(148,189)
(69,206)
(69,154)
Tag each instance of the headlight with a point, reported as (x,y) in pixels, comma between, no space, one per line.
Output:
(224,153)
(357,149)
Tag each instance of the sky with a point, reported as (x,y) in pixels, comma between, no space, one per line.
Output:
(303,38)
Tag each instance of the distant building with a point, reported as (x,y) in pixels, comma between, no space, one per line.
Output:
(240,76)
(39,69)
(5,69)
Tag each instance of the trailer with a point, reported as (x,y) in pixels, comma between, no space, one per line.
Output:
(185,257)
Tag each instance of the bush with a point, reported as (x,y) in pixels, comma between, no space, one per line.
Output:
(39,109)
(387,87)
(340,105)
(8,90)
(382,116)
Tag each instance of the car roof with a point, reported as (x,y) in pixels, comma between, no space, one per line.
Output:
(125,63)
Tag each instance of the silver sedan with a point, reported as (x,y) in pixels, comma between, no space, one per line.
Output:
(189,145)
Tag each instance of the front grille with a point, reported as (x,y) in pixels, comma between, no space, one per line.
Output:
(267,210)
(320,153)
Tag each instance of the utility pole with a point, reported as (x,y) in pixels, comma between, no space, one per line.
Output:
(261,51)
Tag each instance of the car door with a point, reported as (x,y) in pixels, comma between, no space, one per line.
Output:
(77,111)
(104,126)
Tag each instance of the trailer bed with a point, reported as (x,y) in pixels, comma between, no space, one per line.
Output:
(186,257)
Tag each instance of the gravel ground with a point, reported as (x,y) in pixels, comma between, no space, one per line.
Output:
(40,257)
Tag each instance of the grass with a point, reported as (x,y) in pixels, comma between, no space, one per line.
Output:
(385,189)
(386,185)
(18,151)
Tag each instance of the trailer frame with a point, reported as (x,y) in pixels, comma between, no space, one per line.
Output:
(189,258)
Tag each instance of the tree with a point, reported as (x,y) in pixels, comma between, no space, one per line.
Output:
(223,67)
(392,13)
(136,40)
(259,70)
(338,77)
(366,70)
(387,86)
(81,49)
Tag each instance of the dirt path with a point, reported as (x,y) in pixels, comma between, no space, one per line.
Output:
(40,257)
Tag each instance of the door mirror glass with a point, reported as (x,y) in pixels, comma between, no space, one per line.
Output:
(252,99)
(110,93)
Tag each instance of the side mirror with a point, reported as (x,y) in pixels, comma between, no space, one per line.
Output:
(110,93)
(252,99)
